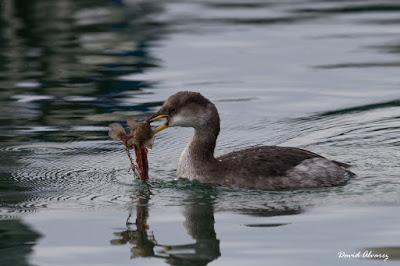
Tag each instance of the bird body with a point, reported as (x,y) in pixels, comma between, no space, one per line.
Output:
(263,167)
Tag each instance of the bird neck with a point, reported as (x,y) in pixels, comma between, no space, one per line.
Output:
(198,156)
(203,143)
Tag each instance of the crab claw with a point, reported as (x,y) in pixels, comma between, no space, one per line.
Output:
(116,131)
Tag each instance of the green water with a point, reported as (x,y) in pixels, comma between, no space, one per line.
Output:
(320,75)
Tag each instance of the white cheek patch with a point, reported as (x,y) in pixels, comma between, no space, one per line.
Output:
(179,120)
(188,118)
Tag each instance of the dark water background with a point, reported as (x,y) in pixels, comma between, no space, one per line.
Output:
(321,75)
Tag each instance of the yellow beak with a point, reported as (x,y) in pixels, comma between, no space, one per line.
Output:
(157,117)
(163,126)
(160,128)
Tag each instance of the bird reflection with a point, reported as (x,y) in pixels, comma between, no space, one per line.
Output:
(199,223)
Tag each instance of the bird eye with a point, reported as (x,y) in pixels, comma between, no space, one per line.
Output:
(173,110)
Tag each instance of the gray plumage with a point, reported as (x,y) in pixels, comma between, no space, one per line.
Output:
(265,167)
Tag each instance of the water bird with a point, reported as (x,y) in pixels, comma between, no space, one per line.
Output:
(262,167)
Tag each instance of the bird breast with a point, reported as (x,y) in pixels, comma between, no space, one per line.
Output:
(186,167)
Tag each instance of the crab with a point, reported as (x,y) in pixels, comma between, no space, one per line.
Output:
(140,138)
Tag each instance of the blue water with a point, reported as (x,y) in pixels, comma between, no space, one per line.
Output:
(320,75)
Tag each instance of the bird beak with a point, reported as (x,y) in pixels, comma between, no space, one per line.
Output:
(157,117)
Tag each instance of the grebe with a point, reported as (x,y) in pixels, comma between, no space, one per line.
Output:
(265,167)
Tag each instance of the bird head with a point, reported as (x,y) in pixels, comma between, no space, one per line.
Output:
(186,109)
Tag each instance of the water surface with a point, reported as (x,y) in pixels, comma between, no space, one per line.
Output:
(320,75)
